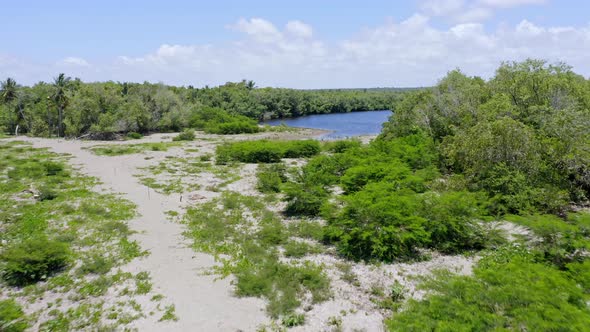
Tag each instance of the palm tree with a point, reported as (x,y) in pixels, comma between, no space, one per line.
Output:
(60,97)
(8,90)
(8,94)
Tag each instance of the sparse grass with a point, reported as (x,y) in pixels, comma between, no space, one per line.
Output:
(43,237)
(178,172)
(250,235)
(123,149)
(297,249)
(169,314)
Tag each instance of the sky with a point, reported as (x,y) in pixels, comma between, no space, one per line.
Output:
(296,44)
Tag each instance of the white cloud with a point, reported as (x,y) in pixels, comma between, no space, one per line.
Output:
(469,11)
(510,3)
(259,29)
(413,52)
(74,61)
(299,29)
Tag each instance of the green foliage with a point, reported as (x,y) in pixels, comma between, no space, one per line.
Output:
(252,252)
(304,199)
(186,135)
(134,135)
(515,295)
(12,317)
(264,151)
(293,320)
(522,137)
(123,149)
(270,177)
(562,241)
(340,146)
(32,260)
(42,238)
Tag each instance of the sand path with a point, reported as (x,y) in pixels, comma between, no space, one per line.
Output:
(202,303)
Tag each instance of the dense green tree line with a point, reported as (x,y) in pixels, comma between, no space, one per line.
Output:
(523,136)
(70,107)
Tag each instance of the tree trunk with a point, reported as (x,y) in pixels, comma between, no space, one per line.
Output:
(60,123)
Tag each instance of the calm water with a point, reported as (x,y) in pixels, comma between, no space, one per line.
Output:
(341,124)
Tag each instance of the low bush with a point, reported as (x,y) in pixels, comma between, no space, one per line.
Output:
(12,317)
(233,127)
(264,151)
(134,135)
(515,295)
(186,135)
(341,146)
(304,199)
(32,260)
(270,177)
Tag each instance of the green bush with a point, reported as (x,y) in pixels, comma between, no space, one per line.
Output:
(304,199)
(454,220)
(12,317)
(186,135)
(46,194)
(512,296)
(379,224)
(232,128)
(134,135)
(53,168)
(341,146)
(32,260)
(270,177)
(264,151)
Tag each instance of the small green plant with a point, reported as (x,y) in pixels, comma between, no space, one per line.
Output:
(46,193)
(270,177)
(292,320)
(169,314)
(33,259)
(186,135)
(12,317)
(134,135)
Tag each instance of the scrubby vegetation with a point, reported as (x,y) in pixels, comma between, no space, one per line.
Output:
(264,151)
(123,149)
(520,142)
(70,241)
(245,237)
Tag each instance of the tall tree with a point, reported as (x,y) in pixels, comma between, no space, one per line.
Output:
(8,90)
(62,85)
(8,94)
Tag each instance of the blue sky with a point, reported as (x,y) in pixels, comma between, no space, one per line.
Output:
(302,44)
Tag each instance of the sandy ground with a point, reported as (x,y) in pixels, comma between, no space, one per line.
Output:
(202,302)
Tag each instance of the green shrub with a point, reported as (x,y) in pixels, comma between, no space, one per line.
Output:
(53,168)
(232,128)
(32,260)
(264,151)
(301,149)
(46,193)
(270,177)
(454,220)
(378,224)
(292,320)
(134,135)
(341,146)
(186,135)
(304,199)
(12,317)
(512,296)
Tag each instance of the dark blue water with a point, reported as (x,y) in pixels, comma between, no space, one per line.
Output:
(341,124)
